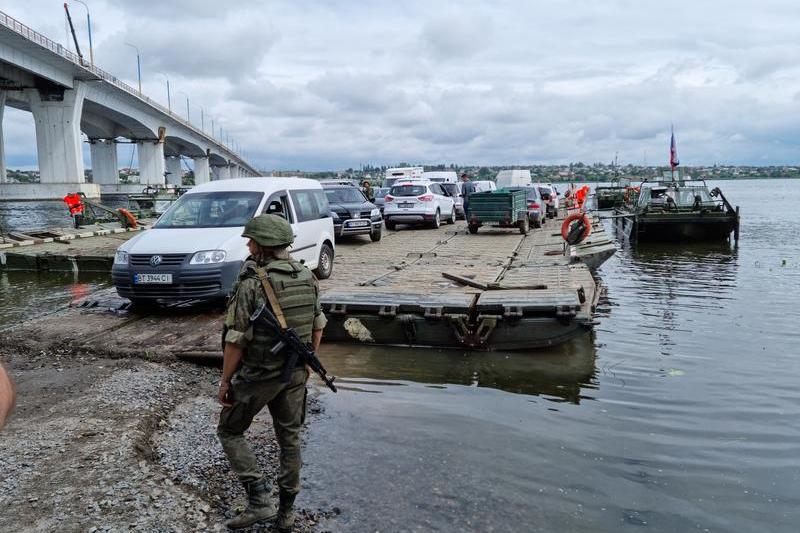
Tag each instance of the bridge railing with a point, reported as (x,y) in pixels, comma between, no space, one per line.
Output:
(36,37)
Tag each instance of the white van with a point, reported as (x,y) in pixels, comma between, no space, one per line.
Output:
(445,176)
(513,178)
(195,250)
(401,173)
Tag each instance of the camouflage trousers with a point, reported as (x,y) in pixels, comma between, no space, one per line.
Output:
(286,404)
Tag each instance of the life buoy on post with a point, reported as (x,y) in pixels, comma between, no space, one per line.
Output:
(582,219)
(127,218)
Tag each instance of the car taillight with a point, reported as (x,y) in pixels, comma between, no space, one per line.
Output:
(425,198)
(533,205)
(389,198)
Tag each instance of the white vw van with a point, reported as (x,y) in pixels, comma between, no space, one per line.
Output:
(195,250)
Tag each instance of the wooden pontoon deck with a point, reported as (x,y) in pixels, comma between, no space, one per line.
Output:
(523,292)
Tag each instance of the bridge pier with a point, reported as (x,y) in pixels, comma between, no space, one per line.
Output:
(105,170)
(57,117)
(201,170)
(151,162)
(58,133)
(174,170)
(225,172)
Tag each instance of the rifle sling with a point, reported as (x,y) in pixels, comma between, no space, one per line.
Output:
(270,294)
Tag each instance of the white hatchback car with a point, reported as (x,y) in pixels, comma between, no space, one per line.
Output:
(195,250)
(418,202)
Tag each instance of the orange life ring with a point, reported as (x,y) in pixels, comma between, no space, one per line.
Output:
(587,223)
(128,220)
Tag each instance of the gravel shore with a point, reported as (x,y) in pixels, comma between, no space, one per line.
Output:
(98,444)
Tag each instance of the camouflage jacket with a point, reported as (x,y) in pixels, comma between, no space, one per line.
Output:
(299,301)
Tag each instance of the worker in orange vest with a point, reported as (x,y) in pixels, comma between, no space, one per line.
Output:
(580,195)
(75,206)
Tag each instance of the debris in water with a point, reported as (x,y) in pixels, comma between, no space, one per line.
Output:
(357,330)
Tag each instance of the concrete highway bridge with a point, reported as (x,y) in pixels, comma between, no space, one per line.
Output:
(67,95)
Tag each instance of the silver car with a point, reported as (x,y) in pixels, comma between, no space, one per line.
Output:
(418,202)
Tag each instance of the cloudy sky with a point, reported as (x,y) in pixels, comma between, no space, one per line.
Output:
(333,83)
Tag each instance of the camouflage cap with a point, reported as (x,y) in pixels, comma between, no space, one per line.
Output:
(269,230)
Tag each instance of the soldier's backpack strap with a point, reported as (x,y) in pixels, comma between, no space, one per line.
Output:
(270,294)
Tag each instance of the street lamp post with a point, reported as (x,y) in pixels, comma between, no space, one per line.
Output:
(169,98)
(188,116)
(89,25)
(138,64)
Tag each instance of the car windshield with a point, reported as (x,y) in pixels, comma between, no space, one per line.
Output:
(451,188)
(408,190)
(222,209)
(545,192)
(380,192)
(345,195)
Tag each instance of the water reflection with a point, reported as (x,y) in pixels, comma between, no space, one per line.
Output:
(28,294)
(558,373)
(671,283)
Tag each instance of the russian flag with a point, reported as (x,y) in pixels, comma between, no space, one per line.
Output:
(673,152)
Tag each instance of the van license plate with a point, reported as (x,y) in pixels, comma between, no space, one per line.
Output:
(140,279)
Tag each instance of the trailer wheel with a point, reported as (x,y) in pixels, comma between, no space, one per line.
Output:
(473,228)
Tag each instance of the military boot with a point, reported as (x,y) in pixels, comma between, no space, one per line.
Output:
(285,511)
(259,506)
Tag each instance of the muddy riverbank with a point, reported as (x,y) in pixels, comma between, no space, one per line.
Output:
(98,444)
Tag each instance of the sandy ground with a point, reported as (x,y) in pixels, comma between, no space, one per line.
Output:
(98,444)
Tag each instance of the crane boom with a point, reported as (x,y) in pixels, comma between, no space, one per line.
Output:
(72,29)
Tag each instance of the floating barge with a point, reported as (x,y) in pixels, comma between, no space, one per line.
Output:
(610,196)
(87,249)
(496,290)
(678,211)
(493,290)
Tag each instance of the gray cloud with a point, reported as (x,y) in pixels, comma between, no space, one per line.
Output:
(333,84)
(457,35)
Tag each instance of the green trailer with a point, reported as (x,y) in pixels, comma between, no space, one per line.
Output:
(504,208)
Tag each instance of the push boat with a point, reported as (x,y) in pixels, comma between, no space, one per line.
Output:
(610,196)
(681,210)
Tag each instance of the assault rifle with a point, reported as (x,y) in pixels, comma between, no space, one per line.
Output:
(298,351)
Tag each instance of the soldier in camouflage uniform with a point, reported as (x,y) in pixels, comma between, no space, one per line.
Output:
(251,374)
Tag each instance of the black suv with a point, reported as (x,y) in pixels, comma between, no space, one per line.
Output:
(352,213)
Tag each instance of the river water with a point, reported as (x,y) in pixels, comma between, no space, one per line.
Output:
(681,412)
